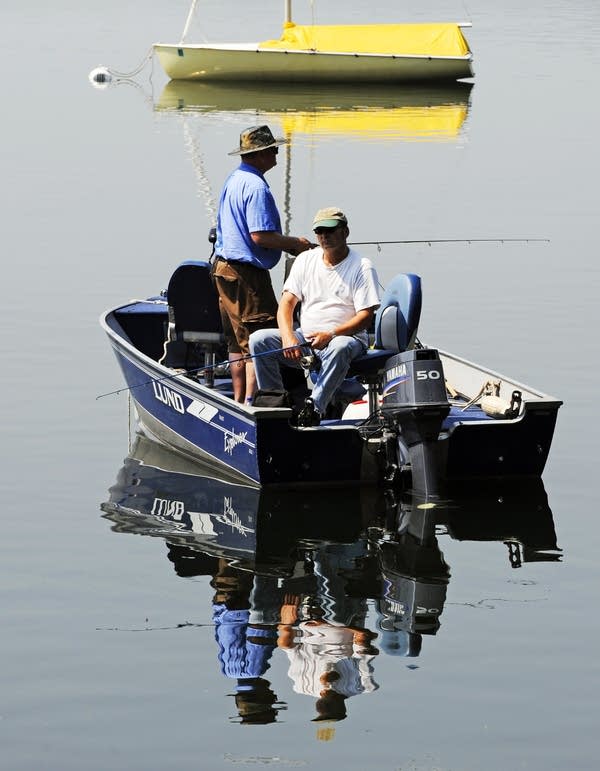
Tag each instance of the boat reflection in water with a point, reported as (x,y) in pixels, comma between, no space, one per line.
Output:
(435,112)
(330,579)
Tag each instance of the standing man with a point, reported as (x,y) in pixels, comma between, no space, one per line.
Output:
(249,243)
(339,292)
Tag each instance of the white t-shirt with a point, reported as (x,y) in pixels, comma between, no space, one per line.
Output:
(330,296)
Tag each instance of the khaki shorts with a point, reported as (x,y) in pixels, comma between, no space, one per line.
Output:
(232,344)
(246,296)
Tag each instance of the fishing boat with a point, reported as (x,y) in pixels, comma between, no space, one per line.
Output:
(427,417)
(358,53)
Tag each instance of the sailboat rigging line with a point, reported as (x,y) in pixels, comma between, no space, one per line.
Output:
(225,363)
(450,241)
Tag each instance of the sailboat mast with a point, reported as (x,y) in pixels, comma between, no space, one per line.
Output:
(188,21)
(288,12)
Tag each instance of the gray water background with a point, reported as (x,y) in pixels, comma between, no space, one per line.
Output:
(100,201)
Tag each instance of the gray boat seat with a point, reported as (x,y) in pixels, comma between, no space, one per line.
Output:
(396,324)
(195,331)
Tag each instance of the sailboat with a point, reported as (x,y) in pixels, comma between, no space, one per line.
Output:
(344,53)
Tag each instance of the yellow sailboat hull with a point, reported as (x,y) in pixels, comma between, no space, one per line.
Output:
(373,53)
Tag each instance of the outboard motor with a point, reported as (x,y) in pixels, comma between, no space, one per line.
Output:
(414,399)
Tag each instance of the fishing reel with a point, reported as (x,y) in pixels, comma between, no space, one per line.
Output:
(310,362)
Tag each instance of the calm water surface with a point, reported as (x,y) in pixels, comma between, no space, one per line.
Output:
(109,657)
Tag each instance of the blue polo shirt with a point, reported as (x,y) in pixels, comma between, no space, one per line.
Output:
(246,206)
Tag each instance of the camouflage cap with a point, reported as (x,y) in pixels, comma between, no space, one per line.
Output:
(256,138)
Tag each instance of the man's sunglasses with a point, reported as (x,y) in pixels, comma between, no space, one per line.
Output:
(322,231)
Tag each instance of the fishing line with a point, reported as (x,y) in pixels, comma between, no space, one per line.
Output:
(224,363)
(450,241)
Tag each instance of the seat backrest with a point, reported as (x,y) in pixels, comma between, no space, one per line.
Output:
(397,317)
(194,313)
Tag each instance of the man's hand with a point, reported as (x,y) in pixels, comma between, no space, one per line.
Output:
(289,341)
(320,340)
(361,320)
(304,244)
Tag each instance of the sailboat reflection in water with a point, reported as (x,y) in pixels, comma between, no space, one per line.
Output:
(331,579)
(434,112)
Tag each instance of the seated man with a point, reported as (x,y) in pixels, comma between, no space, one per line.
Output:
(339,293)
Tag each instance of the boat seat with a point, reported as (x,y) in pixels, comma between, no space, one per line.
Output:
(396,323)
(195,331)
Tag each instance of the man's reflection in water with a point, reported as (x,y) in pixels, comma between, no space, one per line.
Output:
(315,610)
(246,640)
(329,661)
(329,648)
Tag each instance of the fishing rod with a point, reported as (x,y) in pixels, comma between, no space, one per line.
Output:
(450,241)
(224,363)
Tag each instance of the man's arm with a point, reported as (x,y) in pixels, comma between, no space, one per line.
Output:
(358,322)
(285,322)
(271,239)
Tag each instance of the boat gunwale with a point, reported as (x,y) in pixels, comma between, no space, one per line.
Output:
(255,48)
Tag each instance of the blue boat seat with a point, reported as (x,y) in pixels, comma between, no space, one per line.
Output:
(195,331)
(396,323)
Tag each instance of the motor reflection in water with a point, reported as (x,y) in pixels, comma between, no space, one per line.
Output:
(330,579)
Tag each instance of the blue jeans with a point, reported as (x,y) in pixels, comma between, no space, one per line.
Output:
(335,360)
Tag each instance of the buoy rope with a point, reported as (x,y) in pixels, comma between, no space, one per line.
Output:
(128,75)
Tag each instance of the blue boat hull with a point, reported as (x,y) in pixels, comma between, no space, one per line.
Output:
(261,446)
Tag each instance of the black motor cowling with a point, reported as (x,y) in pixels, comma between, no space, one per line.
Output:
(414,399)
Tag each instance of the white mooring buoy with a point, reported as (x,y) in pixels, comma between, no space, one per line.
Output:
(100,77)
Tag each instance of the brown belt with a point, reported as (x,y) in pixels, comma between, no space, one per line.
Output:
(238,262)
